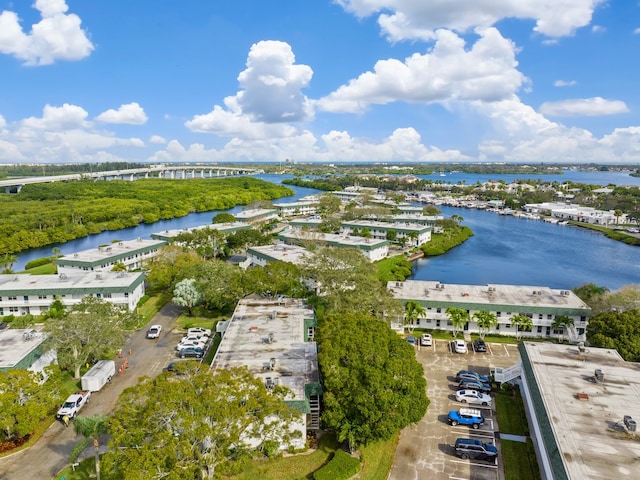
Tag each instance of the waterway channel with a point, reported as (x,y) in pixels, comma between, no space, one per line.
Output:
(504,249)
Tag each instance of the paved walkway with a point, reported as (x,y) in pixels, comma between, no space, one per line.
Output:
(51,452)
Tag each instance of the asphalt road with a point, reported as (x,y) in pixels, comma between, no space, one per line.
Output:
(148,357)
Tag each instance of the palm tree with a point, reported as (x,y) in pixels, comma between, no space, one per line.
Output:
(458,318)
(485,321)
(92,428)
(560,323)
(522,323)
(413,311)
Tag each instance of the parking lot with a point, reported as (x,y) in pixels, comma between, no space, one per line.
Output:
(425,450)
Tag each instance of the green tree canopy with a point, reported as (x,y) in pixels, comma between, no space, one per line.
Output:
(206,242)
(373,385)
(90,329)
(24,403)
(617,330)
(195,425)
(223,218)
(522,323)
(91,428)
(560,323)
(412,311)
(347,281)
(171,265)
(214,280)
(329,204)
(275,278)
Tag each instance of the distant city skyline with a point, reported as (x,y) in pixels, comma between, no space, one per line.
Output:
(319,80)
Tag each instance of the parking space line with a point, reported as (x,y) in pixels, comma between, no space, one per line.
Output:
(489,349)
(485,465)
(506,350)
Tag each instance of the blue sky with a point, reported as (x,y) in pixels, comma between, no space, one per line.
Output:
(524,81)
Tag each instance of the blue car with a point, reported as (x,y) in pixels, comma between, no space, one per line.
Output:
(411,340)
(466,384)
(466,416)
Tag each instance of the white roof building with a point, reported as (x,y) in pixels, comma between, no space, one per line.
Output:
(131,253)
(371,248)
(274,340)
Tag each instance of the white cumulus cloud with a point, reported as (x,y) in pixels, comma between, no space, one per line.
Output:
(595,106)
(449,72)
(419,19)
(130,114)
(58,118)
(271,97)
(57,36)
(157,139)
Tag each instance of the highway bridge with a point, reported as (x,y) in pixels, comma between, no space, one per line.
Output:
(156,171)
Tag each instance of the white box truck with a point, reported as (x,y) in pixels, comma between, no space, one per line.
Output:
(99,375)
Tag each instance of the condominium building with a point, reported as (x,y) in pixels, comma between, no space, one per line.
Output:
(412,234)
(226,228)
(132,254)
(274,339)
(34,294)
(541,304)
(371,248)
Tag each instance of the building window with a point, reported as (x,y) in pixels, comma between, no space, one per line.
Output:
(12,297)
(107,295)
(583,319)
(498,327)
(508,313)
(539,316)
(549,316)
(42,297)
(13,309)
(540,329)
(126,294)
(437,323)
(98,295)
(439,310)
(498,314)
(508,325)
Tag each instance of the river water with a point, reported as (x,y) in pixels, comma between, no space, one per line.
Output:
(504,249)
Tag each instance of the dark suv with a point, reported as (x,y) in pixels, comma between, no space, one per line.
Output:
(472,448)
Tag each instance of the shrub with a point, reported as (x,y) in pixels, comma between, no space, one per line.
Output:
(341,467)
(38,262)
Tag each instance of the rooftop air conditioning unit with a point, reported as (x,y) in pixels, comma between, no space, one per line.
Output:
(599,375)
(630,423)
(492,289)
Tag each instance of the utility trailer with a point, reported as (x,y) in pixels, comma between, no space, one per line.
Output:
(99,375)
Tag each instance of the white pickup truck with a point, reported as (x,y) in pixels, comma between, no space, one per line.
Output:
(73,404)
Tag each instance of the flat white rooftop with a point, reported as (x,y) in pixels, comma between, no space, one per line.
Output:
(221,227)
(387,225)
(64,282)
(113,250)
(591,443)
(246,342)
(16,343)
(253,213)
(285,253)
(499,295)
(333,238)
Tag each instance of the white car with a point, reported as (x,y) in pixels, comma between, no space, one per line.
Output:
(426,340)
(191,343)
(459,346)
(473,397)
(154,331)
(199,331)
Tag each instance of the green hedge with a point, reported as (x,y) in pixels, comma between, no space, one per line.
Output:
(341,467)
(38,262)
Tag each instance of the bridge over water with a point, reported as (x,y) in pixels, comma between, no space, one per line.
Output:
(156,171)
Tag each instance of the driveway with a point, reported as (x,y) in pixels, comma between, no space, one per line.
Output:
(425,450)
(148,357)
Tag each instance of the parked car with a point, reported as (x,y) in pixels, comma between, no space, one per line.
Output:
(472,376)
(154,331)
(466,416)
(191,352)
(199,331)
(459,346)
(3,325)
(411,340)
(473,448)
(473,397)
(426,340)
(191,343)
(479,346)
(466,384)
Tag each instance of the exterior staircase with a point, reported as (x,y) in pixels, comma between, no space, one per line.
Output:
(313,421)
(502,375)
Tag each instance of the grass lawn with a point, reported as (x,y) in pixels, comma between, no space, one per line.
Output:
(47,269)
(519,458)
(86,469)
(152,306)
(377,459)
